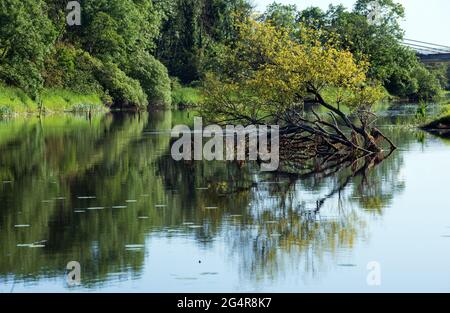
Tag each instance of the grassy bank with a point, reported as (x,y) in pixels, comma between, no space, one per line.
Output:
(185,96)
(15,101)
(440,123)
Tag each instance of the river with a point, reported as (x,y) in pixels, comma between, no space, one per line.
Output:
(105,192)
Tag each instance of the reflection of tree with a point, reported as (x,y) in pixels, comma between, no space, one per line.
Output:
(59,162)
(271,222)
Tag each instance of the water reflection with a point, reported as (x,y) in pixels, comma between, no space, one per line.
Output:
(95,190)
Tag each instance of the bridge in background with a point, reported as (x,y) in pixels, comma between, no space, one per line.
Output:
(429,52)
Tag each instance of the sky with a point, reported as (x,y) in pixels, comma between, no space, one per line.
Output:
(427,21)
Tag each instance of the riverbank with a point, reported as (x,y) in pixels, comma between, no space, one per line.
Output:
(185,96)
(441,125)
(14,101)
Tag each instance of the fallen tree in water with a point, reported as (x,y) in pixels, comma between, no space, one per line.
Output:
(268,76)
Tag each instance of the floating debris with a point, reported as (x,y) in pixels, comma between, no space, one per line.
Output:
(209,273)
(202,188)
(119,207)
(131,201)
(22,226)
(134,247)
(272,182)
(143,217)
(195,226)
(211,208)
(161,206)
(347,265)
(47,201)
(59,198)
(87,197)
(31,245)
(186,278)
(96,208)
(188,223)
(79,211)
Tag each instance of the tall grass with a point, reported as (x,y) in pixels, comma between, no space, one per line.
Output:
(65,100)
(186,96)
(14,100)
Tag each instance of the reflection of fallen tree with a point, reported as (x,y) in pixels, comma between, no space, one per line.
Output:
(360,167)
(289,233)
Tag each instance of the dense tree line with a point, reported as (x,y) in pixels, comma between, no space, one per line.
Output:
(110,53)
(127,50)
(113,51)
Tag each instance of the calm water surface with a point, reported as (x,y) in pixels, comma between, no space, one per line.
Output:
(106,193)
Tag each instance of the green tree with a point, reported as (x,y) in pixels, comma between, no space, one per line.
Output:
(396,66)
(153,77)
(118,40)
(274,76)
(197,28)
(281,15)
(26,37)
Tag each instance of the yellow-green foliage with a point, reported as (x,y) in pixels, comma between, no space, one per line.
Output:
(446,110)
(272,73)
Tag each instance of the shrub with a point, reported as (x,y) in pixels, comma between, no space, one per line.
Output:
(429,85)
(152,76)
(74,69)
(126,91)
